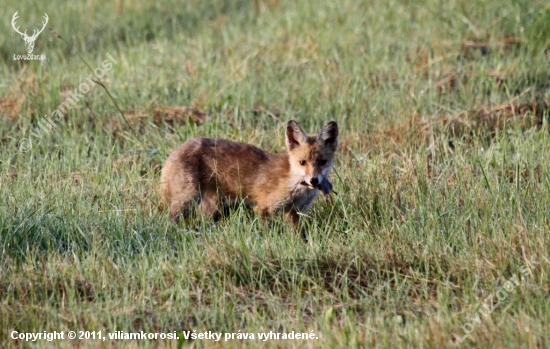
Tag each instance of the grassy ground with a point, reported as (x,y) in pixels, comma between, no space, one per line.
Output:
(442,174)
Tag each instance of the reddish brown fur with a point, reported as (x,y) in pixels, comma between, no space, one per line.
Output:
(212,171)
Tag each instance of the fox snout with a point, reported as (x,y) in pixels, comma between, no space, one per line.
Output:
(313,180)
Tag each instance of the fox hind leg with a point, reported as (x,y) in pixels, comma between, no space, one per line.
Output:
(204,200)
(183,207)
(185,196)
(210,202)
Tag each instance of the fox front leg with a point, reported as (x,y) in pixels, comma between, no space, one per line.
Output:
(292,216)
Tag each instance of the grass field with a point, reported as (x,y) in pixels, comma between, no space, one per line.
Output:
(442,173)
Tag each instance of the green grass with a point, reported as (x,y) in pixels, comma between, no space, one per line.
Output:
(442,172)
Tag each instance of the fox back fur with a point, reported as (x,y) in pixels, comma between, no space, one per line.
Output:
(213,172)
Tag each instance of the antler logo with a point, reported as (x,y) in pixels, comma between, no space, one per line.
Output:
(29,40)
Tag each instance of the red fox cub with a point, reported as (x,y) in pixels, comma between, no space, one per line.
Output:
(212,172)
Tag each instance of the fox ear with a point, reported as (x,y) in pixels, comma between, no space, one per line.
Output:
(294,135)
(329,135)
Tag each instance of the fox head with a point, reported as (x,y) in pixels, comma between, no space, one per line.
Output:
(311,156)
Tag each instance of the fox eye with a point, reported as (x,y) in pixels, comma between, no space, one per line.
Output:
(322,162)
(303,162)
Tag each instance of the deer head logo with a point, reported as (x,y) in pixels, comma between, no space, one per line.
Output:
(29,40)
